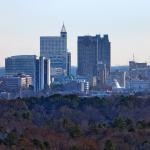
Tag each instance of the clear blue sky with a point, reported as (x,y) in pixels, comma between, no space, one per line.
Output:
(126,21)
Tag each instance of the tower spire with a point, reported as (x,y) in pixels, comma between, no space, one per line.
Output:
(63,32)
(63,28)
(133,57)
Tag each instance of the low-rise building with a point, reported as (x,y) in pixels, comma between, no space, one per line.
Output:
(15,83)
(138,71)
(37,68)
(119,76)
(139,85)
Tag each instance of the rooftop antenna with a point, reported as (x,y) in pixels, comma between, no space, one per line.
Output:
(133,57)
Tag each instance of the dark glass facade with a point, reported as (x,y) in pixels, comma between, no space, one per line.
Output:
(91,51)
(68,63)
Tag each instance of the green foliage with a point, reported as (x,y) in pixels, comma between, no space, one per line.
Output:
(74,148)
(120,123)
(38,144)
(128,122)
(46,144)
(26,115)
(57,117)
(50,123)
(124,101)
(41,144)
(11,139)
(109,145)
(94,127)
(131,130)
(143,124)
(66,123)
(75,131)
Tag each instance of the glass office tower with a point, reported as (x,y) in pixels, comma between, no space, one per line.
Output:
(91,51)
(37,68)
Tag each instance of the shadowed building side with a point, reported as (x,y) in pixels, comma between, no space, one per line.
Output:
(91,51)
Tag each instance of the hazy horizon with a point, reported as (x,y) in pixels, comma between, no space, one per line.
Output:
(126,22)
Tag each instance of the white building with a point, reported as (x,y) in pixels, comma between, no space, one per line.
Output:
(119,76)
(44,79)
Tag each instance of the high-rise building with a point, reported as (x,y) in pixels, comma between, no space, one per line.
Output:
(55,48)
(68,63)
(43,73)
(91,51)
(38,69)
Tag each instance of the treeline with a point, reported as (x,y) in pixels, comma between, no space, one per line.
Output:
(75,123)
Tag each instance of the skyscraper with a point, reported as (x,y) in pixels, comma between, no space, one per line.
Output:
(68,63)
(55,48)
(93,50)
(87,56)
(44,73)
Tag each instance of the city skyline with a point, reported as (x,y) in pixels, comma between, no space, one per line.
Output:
(23,22)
